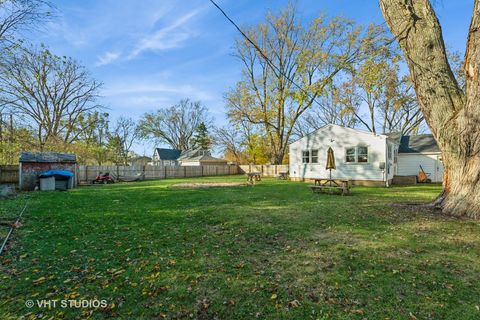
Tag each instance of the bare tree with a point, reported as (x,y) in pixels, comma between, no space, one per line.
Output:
(230,141)
(122,138)
(383,97)
(331,108)
(49,92)
(176,125)
(399,110)
(452,114)
(21,15)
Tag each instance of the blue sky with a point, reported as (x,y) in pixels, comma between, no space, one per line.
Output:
(152,53)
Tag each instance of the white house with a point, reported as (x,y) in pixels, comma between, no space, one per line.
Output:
(193,157)
(363,157)
(166,157)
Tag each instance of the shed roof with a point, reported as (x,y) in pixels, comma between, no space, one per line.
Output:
(168,154)
(193,153)
(204,158)
(422,143)
(47,157)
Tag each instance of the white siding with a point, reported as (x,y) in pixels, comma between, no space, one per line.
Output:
(409,164)
(339,139)
(189,163)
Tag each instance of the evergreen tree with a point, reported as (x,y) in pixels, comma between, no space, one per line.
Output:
(202,138)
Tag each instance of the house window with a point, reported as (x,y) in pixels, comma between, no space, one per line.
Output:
(305,156)
(357,154)
(395,155)
(314,156)
(389,153)
(362,154)
(350,155)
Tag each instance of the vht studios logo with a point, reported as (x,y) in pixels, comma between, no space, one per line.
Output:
(66,303)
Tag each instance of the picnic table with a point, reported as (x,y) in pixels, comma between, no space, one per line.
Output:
(330,185)
(254,176)
(283,175)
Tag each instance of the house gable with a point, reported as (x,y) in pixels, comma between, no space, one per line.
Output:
(166,154)
(336,133)
(341,140)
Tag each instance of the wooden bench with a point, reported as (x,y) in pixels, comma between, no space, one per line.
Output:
(331,186)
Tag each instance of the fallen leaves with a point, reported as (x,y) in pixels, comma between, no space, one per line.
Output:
(294,304)
(38,281)
(115,272)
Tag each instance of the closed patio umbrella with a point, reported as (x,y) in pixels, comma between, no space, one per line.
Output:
(330,162)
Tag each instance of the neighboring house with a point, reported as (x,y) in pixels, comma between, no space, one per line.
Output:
(364,157)
(193,157)
(141,161)
(166,157)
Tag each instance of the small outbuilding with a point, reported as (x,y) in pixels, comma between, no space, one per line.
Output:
(199,157)
(33,164)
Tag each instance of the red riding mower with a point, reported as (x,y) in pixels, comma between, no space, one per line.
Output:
(103,178)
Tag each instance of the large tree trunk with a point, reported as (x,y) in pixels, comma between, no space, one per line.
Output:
(453,116)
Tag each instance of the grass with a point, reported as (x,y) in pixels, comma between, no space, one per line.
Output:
(272,251)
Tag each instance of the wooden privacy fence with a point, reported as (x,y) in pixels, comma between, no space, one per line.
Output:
(265,170)
(9,174)
(85,174)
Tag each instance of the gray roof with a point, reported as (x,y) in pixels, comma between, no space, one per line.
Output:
(187,155)
(205,157)
(192,153)
(168,154)
(422,143)
(47,157)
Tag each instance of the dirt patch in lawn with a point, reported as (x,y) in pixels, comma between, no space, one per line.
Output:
(202,185)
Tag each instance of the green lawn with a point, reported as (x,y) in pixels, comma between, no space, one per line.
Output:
(271,251)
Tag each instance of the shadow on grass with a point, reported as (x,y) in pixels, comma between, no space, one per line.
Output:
(274,250)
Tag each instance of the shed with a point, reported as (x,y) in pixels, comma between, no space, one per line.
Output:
(199,157)
(420,150)
(32,164)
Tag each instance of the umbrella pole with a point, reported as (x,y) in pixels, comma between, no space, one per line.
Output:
(330,177)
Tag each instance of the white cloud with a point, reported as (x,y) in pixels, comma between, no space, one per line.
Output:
(170,37)
(145,91)
(107,58)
